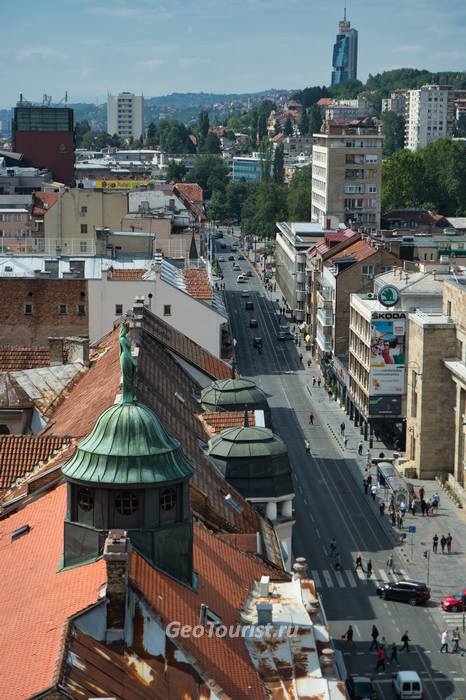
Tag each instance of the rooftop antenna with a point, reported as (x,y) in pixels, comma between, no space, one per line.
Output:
(344,14)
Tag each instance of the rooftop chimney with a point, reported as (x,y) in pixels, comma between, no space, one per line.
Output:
(300,568)
(78,350)
(264,613)
(56,351)
(264,586)
(116,557)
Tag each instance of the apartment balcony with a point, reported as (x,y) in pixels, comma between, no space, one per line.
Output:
(325,342)
(300,295)
(325,317)
(324,298)
(300,276)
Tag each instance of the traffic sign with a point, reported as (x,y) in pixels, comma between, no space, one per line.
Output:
(412,528)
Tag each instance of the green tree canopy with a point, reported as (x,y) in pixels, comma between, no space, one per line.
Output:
(263,208)
(211,144)
(279,164)
(217,207)
(315,119)
(299,195)
(152,135)
(175,172)
(393,130)
(403,181)
(174,137)
(288,127)
(211,173)
(304,123)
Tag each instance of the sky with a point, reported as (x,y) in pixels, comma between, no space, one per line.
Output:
(155,47)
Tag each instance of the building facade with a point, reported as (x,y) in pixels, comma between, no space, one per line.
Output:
(346,176)
(45,136)
(430,115)
(345,54)
(397,102)
(125,115)
(248,168)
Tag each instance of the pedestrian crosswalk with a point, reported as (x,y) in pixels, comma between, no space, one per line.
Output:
(348,578)
(452,620)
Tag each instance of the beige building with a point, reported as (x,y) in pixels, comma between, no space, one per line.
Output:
(346,176)
(430,113)
(72,225)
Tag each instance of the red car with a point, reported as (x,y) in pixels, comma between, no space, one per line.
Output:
(453,602)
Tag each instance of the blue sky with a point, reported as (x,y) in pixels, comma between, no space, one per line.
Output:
(91,47)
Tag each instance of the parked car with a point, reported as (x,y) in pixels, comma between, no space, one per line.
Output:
(241,279)
(249,273)
(245,295)
(407,685)
(412,592)
(220,234)
(257,342)
(249,306)
(231,257)
(240,257)
(253,323)
(223,246)
(236,266)
(284,335)
(360,688)
(454,602)
(221,259)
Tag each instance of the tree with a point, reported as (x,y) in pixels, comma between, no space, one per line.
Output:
(393,130)
(460,126)
(236,195)
(299,195)
(315,119)
(152,135)
(261,126)
(263,207)
(266,157)
(203,126)
(211,144)
(80,130)
(217,207)
(174,137)
(175,172)
(403,178)
(304,123)
(211,173)
(288,128)
(278,164)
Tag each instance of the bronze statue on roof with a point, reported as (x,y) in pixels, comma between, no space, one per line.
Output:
(128,365)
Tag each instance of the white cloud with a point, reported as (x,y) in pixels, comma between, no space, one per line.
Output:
(153,62)
(193,60)
(39,52)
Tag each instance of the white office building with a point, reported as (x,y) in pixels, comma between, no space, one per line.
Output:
(125,115)
(430,115)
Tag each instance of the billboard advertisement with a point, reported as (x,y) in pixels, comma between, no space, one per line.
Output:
(385,405)
(120,184)
(387,357)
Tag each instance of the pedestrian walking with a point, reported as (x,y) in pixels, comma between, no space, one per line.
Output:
(412,507)
(380,660)
(393,655)
(349,634)
(374,635)
(455,638)
(313,381)
(405,639)
(449,541)
(366,486)
(319,382)
(337,561)
(393,517)
(403,508)
(382,509)
(300,356)
(359,562)
(428,508)
(308,364)
(307,445)
(345,442)
(443,542)
(390,565)
(311,419)
(435,543)
(369,479)
(399,521)
(421,493)
(423,506)
(435,503)
(342,429)
(445,641)
(373,492)
(333,546)
(369,568)
(360,446)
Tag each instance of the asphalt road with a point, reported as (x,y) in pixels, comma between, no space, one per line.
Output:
(330,503)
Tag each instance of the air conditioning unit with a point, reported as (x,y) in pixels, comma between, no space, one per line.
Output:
(371,296)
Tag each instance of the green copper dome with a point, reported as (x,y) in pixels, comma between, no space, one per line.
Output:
(233,393)
(128,445)
(246,442)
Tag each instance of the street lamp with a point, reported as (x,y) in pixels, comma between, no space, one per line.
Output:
(427,556)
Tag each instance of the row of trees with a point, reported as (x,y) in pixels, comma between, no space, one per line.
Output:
(433,177)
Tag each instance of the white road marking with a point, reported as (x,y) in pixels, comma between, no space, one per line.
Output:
(350,577)
(328,579)
(316,577)
(383,575)
(361,575)
(340,579)
(318,534)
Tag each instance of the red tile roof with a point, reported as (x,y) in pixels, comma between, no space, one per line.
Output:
(19,454)
(42,201)
(197,283)
(13,357)
(128,274)
(191,190)
(325,101)
(36,598)
(360,250)
(216,422)
(226,575)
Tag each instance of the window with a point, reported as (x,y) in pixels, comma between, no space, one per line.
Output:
(167,310)
(83,246)
(368,270)
(83,211)
(28,309)
(85,499)
(372,189)
(126,503)
(62,309)
(118,309)
(81,310)
(83,228)
(168,499)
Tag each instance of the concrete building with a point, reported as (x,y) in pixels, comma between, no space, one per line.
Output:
(15,229)
(248,168)
(125,115)
(429,115)
(345,53)
(397,102)
(346,176)
(345,110)
(292,241)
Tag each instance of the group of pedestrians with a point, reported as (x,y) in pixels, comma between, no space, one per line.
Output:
(335,554)
(445,543)
(455,638)
(385,653)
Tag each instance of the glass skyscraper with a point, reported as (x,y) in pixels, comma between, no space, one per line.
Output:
(345,54)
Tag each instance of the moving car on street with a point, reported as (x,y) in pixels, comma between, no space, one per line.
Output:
(407,685)
(241,279)
(257,343)
(221,259)
(412,592)
(245,295)
(360,688)
(249,306)
(253,323)
(240,257)
(284,335)
(454,602)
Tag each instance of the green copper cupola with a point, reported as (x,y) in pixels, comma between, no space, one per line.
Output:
(128,473)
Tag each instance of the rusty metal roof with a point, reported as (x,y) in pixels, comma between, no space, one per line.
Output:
(45,386)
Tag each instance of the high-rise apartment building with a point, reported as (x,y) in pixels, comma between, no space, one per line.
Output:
(346,176)
(345,53)
(45,137)
(429,115)
(397,102)
(125,115)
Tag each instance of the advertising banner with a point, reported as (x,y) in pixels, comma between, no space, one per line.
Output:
(120,184)
(387,357)
(385,405)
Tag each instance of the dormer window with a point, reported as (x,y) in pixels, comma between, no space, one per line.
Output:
(85,499)
(126,503)
(168,499)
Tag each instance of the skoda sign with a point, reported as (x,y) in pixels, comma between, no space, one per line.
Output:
(388,296)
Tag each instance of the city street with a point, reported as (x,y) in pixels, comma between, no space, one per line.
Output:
(330,502)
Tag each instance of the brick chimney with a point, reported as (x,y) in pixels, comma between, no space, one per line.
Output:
(56,351)
(78,350)
(116,556)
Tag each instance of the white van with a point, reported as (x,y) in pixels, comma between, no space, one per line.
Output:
(407,685)
(241,278)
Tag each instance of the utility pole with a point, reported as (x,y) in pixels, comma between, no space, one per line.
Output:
(427,556)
